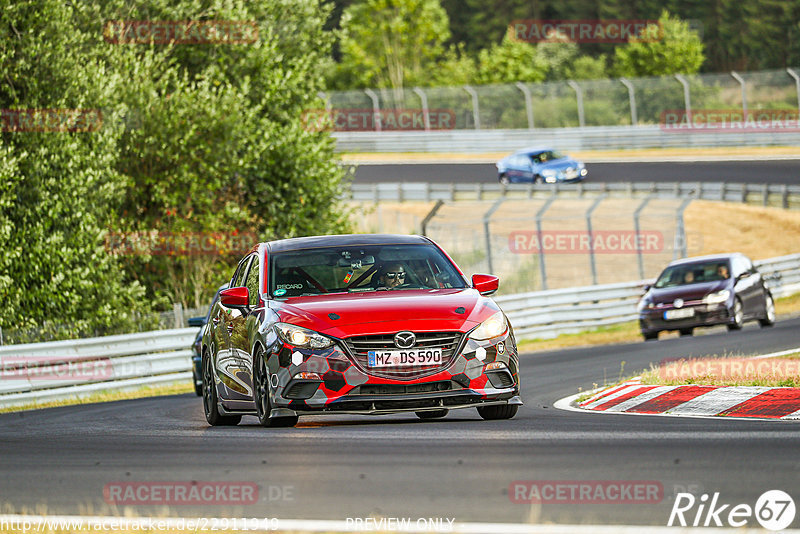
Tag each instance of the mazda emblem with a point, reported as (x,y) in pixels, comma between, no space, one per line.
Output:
(404,340)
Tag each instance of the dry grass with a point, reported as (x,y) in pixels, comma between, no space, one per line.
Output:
(108,396)
(756,231)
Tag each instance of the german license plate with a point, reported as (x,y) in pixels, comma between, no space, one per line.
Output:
(404,358)
(681,313)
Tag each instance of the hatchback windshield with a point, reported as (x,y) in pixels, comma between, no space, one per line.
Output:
(360,268)
(694,273)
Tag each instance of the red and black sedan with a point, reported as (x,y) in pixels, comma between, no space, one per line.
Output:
(359,324)
(703,291)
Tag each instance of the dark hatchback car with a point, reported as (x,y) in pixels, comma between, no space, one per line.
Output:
(710,290)
(539,165)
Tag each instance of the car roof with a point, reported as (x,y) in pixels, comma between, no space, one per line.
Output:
(710,257)
(303,243)
(534,150)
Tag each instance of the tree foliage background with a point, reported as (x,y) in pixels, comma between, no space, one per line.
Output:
(196,139)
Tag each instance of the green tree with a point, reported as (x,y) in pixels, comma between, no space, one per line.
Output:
(510,61)
(671,49)
(394,43)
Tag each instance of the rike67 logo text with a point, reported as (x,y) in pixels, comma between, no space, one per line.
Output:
(774,510)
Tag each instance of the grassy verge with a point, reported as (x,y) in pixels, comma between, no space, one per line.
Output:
(717,371)
(108,396)
(626,332)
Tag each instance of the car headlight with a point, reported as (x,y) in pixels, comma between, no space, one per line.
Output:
(302,337)
(494,326)
(717,298)
(645,303)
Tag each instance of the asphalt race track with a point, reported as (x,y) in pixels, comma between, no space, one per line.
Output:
(57,461)
(757,171)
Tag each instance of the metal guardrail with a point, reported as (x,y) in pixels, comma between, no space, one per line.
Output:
(564,139)
(561,311)
(780,195)
(57,370)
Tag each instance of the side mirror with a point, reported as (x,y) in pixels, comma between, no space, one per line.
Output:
(197,321)
(235,297)
(486,284)
(646,288)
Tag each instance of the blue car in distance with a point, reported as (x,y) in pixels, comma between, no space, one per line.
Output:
(539,165)
(197,373)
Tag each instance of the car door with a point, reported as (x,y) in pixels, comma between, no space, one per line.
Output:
(748,286)
(223,323)
(244,325)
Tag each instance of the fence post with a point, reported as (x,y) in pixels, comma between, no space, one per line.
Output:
(589,212)
(632,100)
(579,97)
(744,93)
(637,228)
(487,233)
(680,230)
(528,104)
(475,110)
(1,335)
(539,214)
(794,75)
(425,111)
(687,99)
(376,108)
(177,310)
(431,214)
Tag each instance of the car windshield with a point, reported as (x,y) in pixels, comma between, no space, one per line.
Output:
(548,155)
(694,273)
(361,268)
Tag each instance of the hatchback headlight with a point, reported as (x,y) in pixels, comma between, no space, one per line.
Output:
(645,303)
(717,298)
(302,337)
(494,326)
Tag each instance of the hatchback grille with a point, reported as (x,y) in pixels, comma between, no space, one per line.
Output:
(449,342)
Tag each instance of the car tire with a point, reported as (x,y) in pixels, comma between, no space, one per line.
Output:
(433,414)
(261,396)
(650,336)
(538,179)
(501,411)
(685,332)
(198,388)
(769,312)
(210,407)
(504,179)
(737,316)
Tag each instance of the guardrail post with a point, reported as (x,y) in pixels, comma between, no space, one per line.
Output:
(539,215)
(680,230)
(425,111)
(376,108)
(744,93)
(177,310)
(475,110)
(785,196)
(637,228)
(579,97)
(687,99)
(794,75)
(589,212)
(486,219)
(528,104)
(765,196)
(431,214)
(631,100)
